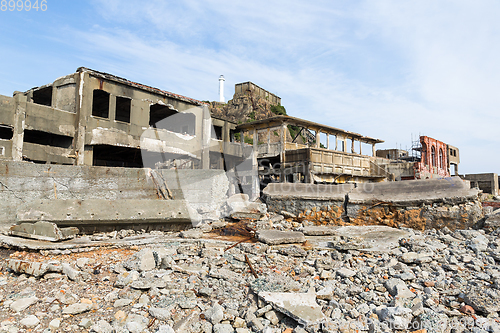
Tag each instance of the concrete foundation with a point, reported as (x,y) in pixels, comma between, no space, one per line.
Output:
(420,204)
(58,189)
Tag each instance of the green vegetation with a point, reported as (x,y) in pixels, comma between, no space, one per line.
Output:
(248,139)
(278,110)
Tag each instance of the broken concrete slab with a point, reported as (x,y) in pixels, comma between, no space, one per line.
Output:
(296,198)
(43,230)
(275,237)
(98,213)
(373,238)
(300,306)
(36,269)
(320,230)
(451,190)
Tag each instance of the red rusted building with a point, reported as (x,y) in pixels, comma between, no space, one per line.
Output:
(434,159)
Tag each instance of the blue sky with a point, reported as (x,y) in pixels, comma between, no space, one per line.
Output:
(384,68)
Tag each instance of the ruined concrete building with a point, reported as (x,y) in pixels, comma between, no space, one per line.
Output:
(97,119)
(431,159)
(339,159)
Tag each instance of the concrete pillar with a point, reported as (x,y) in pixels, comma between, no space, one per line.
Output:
(344,148)
(83,111)
(328,141)
(207,133)
(19,120)
(268,140)
(360,149)
(282,153)
(242,140)
(336,142)
(352,146)
(255,168)
(373,150)
(318,138)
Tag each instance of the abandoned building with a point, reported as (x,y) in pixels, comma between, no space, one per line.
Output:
(430,158)
(98,119)
(486,182)
(299,155)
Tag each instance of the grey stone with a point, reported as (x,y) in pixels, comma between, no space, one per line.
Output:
(70,272)
(122,302)
(143,260)
(274,237)
(164,329)
(398,317)
(300,306)
(148,283)
(319,231)
(101,326)
(85,323)
(55,324)
(432,322)
(398,288)
(215,314)
(192,233)
(23,303)
(485,300)
(293,251)
(223,328)
(30,321)
(77,308)
(136,323)
(126,278)
(345,272)
(160,313)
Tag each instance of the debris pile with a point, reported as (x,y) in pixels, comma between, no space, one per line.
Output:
(323,279)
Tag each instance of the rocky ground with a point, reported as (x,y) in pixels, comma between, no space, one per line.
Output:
(434,281)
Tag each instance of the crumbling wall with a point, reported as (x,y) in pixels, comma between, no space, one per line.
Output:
(22,183)
(421,204)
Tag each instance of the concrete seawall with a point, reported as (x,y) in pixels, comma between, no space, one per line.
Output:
(52,190)
(419,204)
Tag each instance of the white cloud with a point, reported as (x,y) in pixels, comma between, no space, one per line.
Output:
(384,69)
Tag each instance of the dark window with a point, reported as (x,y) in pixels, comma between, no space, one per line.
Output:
(424,153)
(123,106)
(114,156)
(48,139)
(43,96)
(158,112)
(217,133)
(6,132)
(441,162)
(433,156)
(100,104)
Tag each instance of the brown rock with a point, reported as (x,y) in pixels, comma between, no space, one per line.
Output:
(467,309)
(429,283)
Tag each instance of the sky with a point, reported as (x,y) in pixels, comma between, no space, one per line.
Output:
(388,69)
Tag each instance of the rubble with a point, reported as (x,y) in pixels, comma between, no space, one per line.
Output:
(340,278)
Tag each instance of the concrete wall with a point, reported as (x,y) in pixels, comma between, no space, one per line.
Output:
(22,183)
(242,88)
(487,182)
(420,204)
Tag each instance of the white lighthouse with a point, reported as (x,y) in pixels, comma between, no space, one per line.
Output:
(221,89)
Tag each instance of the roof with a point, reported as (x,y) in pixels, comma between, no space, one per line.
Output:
(138,85)
(278,120)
